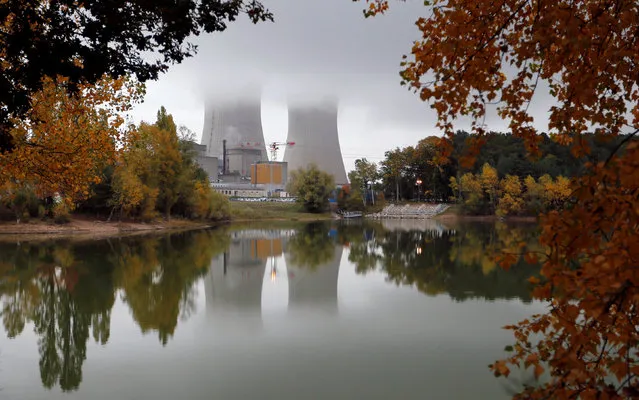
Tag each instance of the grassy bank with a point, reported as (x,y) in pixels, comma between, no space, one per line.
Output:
(253,211)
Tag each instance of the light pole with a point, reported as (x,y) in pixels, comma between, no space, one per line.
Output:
(419,187)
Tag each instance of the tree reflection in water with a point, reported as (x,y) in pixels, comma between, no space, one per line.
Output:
(312,245)
(459,262)
(67,290)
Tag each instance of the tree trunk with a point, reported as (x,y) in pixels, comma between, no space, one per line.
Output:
(111,214)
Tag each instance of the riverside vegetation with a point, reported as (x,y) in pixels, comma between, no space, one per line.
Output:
(74,154)
(501,180)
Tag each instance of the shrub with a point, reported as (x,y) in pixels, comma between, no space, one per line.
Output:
(61,213)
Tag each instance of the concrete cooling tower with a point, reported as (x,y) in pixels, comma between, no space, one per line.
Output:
(239,122)
(313,128)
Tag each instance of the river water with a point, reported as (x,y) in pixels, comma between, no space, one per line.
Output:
(335,310)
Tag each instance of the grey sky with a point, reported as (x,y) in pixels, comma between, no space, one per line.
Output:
(314,46)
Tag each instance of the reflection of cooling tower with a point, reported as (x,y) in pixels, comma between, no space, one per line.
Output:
(239,122)
(313,128)
(313,287)
(234,284)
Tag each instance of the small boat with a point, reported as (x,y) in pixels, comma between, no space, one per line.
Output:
(352,214)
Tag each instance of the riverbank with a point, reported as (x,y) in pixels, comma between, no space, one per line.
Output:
(86,227)
(438,211)
(453,214)
(82,225)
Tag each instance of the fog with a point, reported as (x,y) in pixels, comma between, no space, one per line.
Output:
(313,49)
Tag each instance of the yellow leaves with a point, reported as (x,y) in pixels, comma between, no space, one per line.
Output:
(66,140)
(510,201)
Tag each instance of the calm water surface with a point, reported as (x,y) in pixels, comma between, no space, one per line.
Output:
(399,309)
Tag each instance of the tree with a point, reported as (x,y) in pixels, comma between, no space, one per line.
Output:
(472,192)
(85,40)
(393,166)
(157,172)
(66,140)
(168,166)
(312,188)
(365,172)
(510,201)
(135,191)
(473,54)
(490,182)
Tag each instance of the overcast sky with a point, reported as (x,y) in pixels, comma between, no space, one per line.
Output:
(313,46)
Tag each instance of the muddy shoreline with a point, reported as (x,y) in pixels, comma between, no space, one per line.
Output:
(92,229)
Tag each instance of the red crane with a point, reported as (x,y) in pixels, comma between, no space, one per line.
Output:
(275,146)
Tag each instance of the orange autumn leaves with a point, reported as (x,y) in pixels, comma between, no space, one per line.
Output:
(478,54)
(474,56)
(67,138)
(589,337)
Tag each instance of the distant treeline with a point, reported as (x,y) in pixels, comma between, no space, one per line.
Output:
(410,173)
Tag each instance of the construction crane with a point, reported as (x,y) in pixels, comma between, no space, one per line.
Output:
(275,146)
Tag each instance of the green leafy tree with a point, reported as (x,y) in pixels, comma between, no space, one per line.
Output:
(312,187)
(359,178)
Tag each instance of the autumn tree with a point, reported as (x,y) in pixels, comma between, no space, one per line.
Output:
(490,183)
(168,161)
(472,192)
(85,40)
(511,201)
(476,55)
(157,173)
(312,187)
(67,139)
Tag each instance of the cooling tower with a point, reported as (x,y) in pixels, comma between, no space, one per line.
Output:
(238,120)
(313,128)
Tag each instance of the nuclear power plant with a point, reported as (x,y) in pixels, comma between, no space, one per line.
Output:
(312,126)
(233,133)
(233,136)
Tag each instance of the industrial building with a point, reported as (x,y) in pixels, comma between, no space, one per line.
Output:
(206,162)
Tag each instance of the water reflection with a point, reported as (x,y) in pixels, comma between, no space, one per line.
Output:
(67,289)
(438,259)
(233,286)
